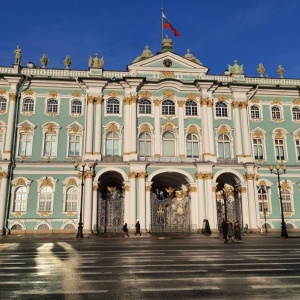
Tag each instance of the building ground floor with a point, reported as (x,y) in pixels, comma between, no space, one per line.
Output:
(164,197)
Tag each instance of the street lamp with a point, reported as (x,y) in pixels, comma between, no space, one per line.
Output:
(278,173)
(82,172)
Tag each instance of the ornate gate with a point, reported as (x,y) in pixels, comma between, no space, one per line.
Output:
(170,214)
(110,211)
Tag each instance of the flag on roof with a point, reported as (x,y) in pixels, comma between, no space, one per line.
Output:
(168,25)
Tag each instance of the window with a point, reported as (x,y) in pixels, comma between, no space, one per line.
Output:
(3,104)
(52,106)
(276,115)
(258,148)
(76,107)
(191,108)
(296,113)
(28,105)
(145,144)
(286,200)
(20,202)
(1,143)
(168,145)
(298,149)
(45,201)
(112,144)
(144,106)
(255,113)
(113,106)
(279,149)
(74,145)
(50,145)
(192,145)
(263,199)
(168,107)
(71,199)
(25,144)
(223,146)
(221,109)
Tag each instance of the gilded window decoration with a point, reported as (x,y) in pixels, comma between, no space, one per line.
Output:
(20,191)
(71,196)
(221,109)
(276,114)
(144,106)
(28,106)
(222,97)
(296,114)
(112,106)
(146,94)
(191,108)
(3,105)
(168,94)
(52,107)
(25,139)
(168,107)
(74,147)
(50,140)
(255,113)
(145,142)
(76,108)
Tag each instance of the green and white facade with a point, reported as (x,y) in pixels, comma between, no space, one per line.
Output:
(171,146)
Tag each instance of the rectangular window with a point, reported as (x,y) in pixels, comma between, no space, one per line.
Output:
(286,201)
(25,144)
(279,148)
(298,149)
(1,143)
(258,149)
(74,145)
(50,145)
(145,148)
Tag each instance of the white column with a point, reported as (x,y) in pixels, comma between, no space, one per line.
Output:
(127,128)
(88,202)
(3,193)
(251,199)
(245,130)
(237,128)
(95,207)
(201,197)
(157,138)
(10,125)
(132,200)
(141,215)
(205,135)
(210,127)
(148,207)
(126,203)
(98,128)
(245,206)
(194,208)
(133,131)
(89,126)
(181,141)
(209,201)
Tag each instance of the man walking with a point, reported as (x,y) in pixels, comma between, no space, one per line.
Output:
(138,228)
(225,230)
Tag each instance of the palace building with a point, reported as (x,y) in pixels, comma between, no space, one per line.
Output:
(162,142)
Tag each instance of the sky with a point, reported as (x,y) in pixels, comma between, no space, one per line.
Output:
(217,32)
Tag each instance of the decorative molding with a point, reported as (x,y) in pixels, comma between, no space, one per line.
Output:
(113,127)
(223,130)
(276,101)
(222,97)
(113,94)
(191,96)
(76,94)
(29,92)
(167,74)
(146,94)
(255,100)
(12,96)
(156,102)
(53,94)
(192,129)
(181,103)
(145,128)
(2,92)
(168,94)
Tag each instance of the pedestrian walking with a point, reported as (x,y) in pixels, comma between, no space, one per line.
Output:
(236,231)
(225,230)
(125,230)
(138,228)
(230,231)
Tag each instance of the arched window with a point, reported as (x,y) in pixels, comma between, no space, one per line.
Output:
(296,113)
(113,106)
(145,144)
(276,115)
(263,199)
(20,202)
(286,200)
(28,105)
(192,145)
(191,108)
(168,107)
(255,113)
(223,146)
(52,106)
(76,106)
(25,144)
(112,144)
(71,198)
(168,145)
(74,145)
(3,104)
(46,198)
(144,106)
(221,109)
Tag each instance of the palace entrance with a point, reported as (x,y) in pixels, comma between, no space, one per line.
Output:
(170,203)
(110,203)
(229,200)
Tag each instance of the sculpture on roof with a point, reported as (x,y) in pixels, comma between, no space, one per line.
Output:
(236,69)
(96,62)
(67,61)
(261,70)
(167,44)
(18,55)
(145,54)
(191,57)
(280,71)
(44,60)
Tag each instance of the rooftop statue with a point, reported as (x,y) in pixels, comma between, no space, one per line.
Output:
(145,54)
(18,55)
(96,62)
(167,44)
(280,71)
(44,61)
(67,61)
(261,70)
(236,69)
(191,57)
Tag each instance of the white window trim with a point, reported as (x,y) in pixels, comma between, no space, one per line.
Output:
(67,183)
(25,127)
(198,109)
(28,113)
(175,107)
(291,189)
(106,98)
(254,135)
(281,114)
(175,140)
(152,140)
(231,140)
(292,117)
(52,114)
(152,108)
(2,112)
(74,128)
(228,110)
(283,136)
(107,129)
(51,128)
(268,186)
(2,131)
(260,107)
(81,99)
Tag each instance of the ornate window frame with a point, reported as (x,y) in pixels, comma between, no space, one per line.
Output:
(2,133)
(76,96)
(49,128)
(145,128)
(163,138)
(266,185)
(256,118)
(116,128)
(116,106)
(16,184)
(168,107)
(228,111)
(276,116)
(259,133)
(28,94)
(194,130)
(296,135)
(194,109)
(69,183)
(74,129)
(289,186)
(147,105)
(25,127)
(297,114)
(52,96)
(224,130)
(280,134)
(3,104)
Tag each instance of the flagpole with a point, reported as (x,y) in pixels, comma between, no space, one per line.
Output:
(162,24)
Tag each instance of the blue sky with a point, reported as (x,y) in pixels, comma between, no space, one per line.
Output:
(217,32)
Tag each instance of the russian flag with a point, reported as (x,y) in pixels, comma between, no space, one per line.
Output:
(168,25)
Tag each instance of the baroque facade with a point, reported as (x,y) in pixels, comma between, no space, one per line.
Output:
(163,142)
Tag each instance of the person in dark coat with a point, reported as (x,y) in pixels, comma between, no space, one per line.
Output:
(236,232)
(225,230)
(138,228)
(125,230)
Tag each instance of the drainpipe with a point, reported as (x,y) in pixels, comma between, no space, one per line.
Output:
(12,162)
